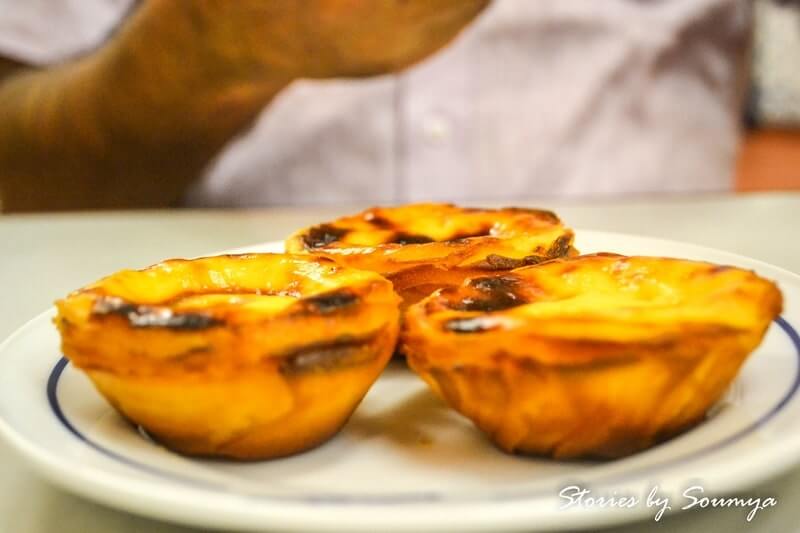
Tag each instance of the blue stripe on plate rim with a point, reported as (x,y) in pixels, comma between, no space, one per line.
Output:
(416,497)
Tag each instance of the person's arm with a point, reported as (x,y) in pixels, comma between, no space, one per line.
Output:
(130,125)
(135,122)
(9,66)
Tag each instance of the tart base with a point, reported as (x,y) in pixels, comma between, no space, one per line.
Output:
(264,411)
(630,399)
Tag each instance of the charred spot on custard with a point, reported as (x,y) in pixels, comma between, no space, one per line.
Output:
(378,221)
(499,301)
(469,325)
(330,302)
(458,238)
(323,235)
(719,269)
(323,357)
(560,247)
(501,262)
(410,238)
(494,294)
(495,283)
(145,316)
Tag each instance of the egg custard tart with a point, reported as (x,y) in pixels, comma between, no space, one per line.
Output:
(424,247)
(239,356)
(595,356)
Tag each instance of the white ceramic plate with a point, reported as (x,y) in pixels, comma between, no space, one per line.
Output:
(404,461)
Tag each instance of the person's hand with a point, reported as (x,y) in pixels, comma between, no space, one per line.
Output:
(319,38)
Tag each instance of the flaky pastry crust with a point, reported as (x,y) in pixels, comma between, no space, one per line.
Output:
(593,356)
(424,247)
(241,356)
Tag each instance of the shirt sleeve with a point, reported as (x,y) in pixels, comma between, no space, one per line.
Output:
(42,32)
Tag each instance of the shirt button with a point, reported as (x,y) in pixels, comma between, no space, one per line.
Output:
(436,129)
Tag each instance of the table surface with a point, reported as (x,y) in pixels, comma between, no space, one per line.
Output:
(45,256)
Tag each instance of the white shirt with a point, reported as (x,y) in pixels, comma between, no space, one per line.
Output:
(538,98)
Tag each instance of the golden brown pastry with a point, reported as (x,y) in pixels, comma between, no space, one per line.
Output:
(423,247)
(248,356)
(593,356)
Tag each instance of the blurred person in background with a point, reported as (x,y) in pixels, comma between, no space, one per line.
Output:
(117,103)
